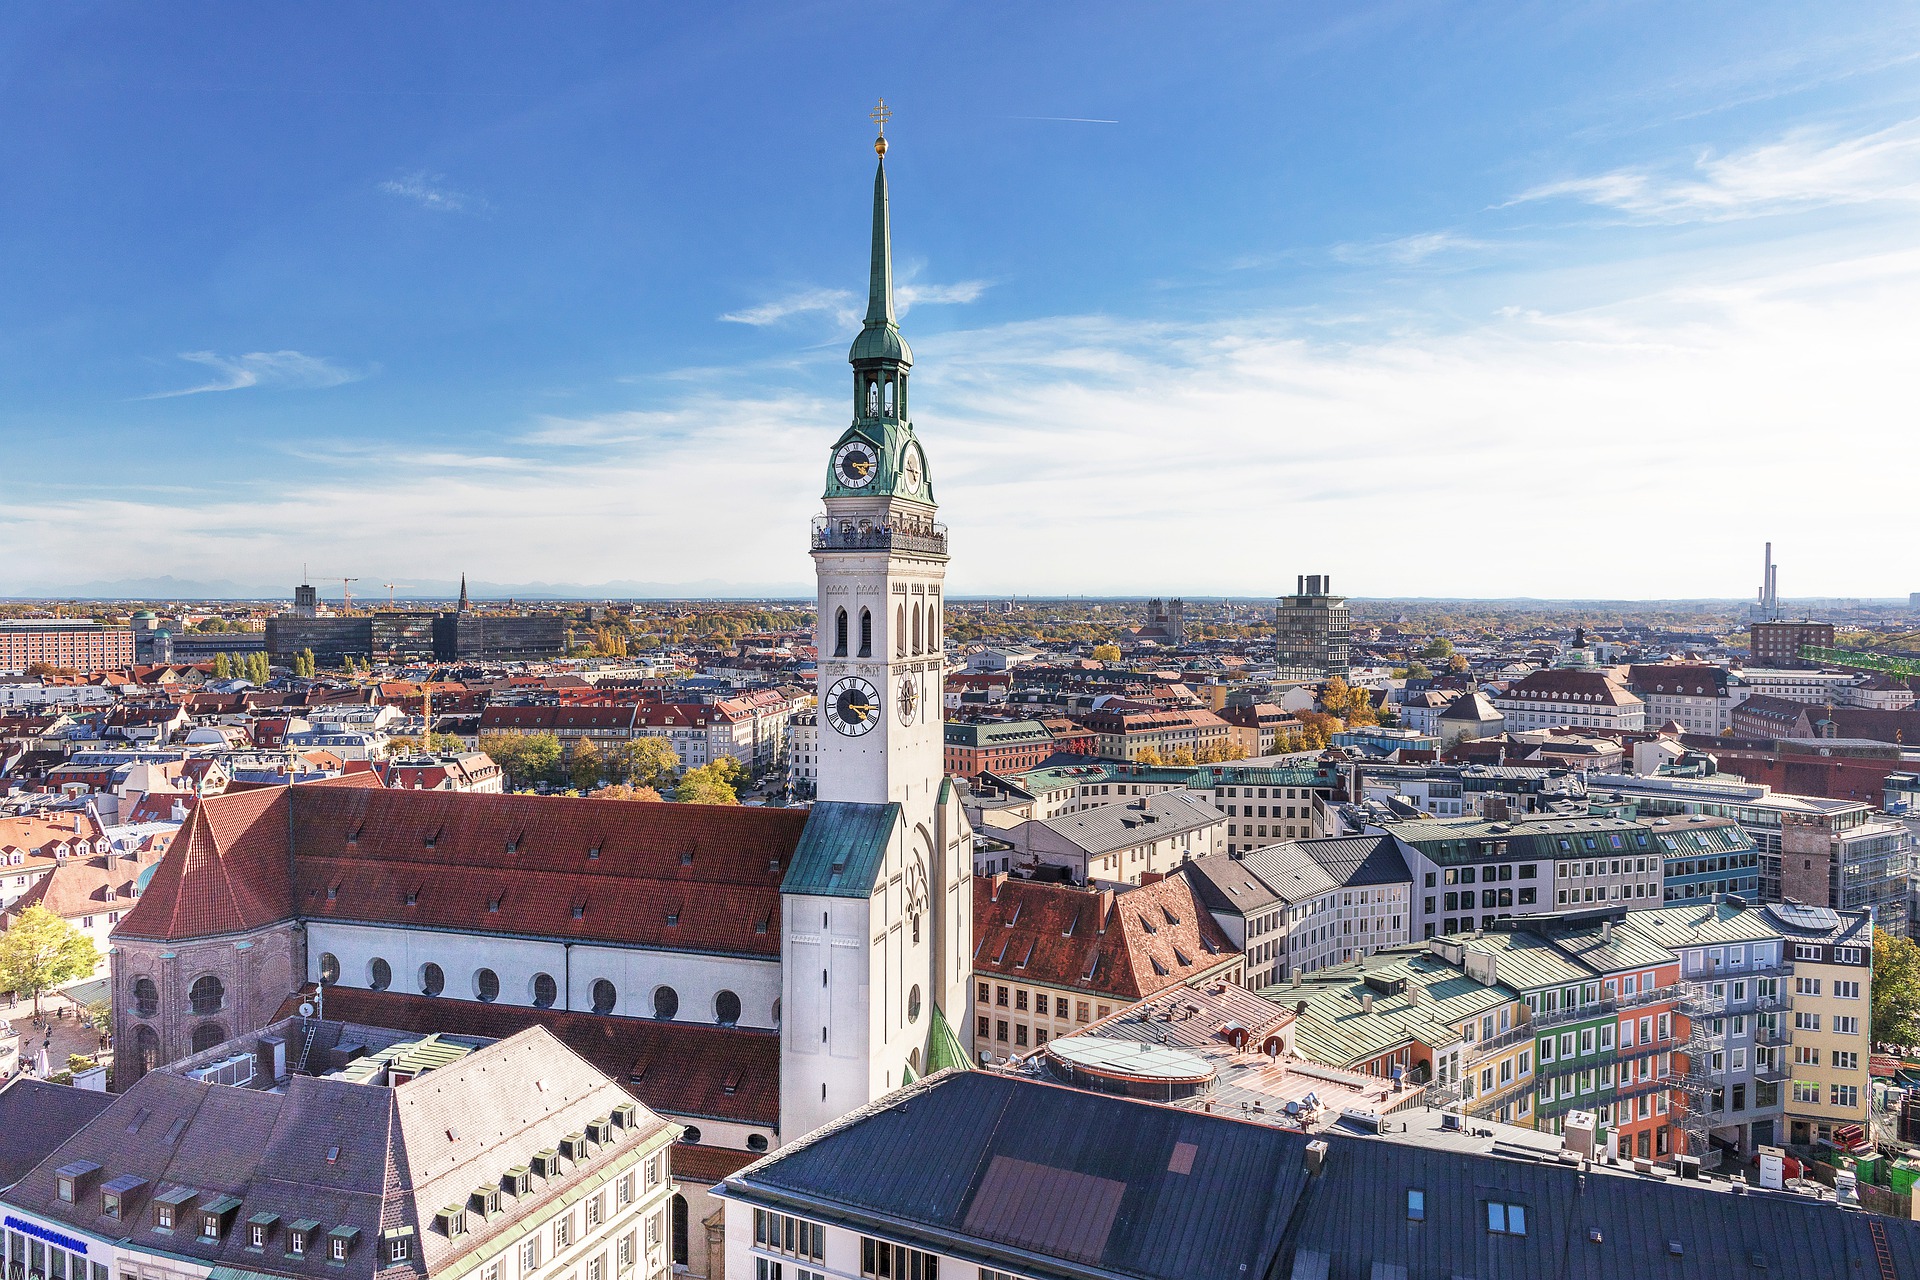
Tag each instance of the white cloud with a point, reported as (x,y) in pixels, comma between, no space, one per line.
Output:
(1408,251)
(907,296)
(837,303)
(430,191)
(291,370)
(1805,169)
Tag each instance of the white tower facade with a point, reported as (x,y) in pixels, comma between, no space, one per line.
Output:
(879,906)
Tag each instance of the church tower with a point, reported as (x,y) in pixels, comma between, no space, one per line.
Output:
(879,910)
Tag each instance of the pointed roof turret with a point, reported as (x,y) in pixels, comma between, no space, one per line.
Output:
(463,593)
(880,333)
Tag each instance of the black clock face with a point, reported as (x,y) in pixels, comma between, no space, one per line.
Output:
(856,464)
(853,706)
(909,699)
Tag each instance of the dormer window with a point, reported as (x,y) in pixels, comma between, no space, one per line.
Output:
(399,1242)
(216,1217)
(600,1131)
(70,1180)
(574,1146)
(114,1195)
(297,1236)
(547,1163)
(624,1115)
(518,1179)
(260,1229)
(339,1240)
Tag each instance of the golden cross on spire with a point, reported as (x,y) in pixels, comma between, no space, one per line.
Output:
(881,114)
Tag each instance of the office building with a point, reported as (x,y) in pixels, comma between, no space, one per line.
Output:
(78,644)
(1312,631)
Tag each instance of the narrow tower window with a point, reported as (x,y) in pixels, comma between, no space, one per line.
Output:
(889,398)
(866,634)
(900,631)
(917,646)
(873,398)
(840,634)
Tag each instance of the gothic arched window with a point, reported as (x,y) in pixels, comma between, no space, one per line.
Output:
(873,398)
(900,631)
(917,646)
(888,398)
(840,634)
(866,634)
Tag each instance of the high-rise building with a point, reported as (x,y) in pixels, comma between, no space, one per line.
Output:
(1312,628)
(82,644)
(1776,643)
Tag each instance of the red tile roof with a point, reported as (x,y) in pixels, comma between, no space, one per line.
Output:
(677,876)
(1128,945)
(680,1068)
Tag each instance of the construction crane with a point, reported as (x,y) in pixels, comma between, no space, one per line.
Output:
(346,594)
(389,586)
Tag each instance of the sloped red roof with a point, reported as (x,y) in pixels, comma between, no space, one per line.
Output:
(683,1068)
(225,873)
(1128,945)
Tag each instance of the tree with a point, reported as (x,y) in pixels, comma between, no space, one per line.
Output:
(730,771)
(1106,653)
(644,762)
(621,791)
(1438,647)
(1317,730)
(524,758)
(1181,757)
(1456,663)
(505,750)
(1419,671)
(541,757)
(259,670)
(1148,755)
(222,667)
(42,951)
(585,768)
(1896,989)
(705,785)
(437,743)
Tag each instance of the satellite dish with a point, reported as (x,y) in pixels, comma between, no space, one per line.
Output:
(306,1009)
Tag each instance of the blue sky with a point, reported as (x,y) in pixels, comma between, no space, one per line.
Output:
(1560,299)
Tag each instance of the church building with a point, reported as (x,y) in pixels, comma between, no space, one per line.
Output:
(749,973)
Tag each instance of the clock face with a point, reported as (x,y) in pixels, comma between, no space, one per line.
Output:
(909,699)
(856,464)
(853,706)
(912,469)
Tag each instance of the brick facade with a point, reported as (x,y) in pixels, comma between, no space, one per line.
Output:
(256,972)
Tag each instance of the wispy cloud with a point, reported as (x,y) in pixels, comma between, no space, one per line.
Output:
(1407,251)
(430,191)
(288,370)
(907,296)
(837,303)
(1804,169)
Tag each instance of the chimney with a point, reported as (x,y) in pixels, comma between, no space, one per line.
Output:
(999,878)
(1366,1002)
(1316,1155)
(1106,907)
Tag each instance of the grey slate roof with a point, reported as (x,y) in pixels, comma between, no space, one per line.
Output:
(1301,869)
(1223,883)
(1022,1168)
(36,1117)
(842,849)
(1025,1176)
(1121,826)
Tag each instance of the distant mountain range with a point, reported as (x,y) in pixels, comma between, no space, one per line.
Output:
(168,587)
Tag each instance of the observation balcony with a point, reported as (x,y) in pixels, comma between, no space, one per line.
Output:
(921,537)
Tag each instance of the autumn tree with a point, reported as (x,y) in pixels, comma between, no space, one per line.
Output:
(1106,653)
(41,951)
(1437,648)
(585,768)
(705,785)
(1147,755)
(621,791)
(1896,989)
(1456,663)
(644,762)
(1181,757)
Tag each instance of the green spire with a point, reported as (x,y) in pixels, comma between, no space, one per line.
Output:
(880,272)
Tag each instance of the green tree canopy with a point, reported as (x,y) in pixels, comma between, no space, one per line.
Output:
(222,667)
(644,762)
(41,951)
(585,768)
(705,785)
(1896,989)
(1439,648)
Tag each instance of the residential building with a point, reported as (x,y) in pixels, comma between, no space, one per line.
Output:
(1127,734)
(803,754)
(1115,845)
(1705,856)
(995,746)
(1312,631)
(1465,790)
(1697,696)
(320,1148)
(78,644)
(443,771)
(1307,904)
(1777,643)
(1831,1006)
(1258,728)
(1582,698)
(1309,788)
(1469,717)
(1048,958)
(1799,684)
(32,845)
(92,883)
(969,1174)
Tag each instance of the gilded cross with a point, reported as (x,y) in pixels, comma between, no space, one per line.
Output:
(881,114)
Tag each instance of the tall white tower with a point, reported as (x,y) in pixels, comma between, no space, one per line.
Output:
(879,904)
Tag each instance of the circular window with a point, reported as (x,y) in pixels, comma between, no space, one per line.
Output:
(379,974)
(666,1002)
(329,968)
(913,1004)
(486,985)
(432,980)
(146,998)
(690,1134)
(545,991)
(604,996)
(726,1008)
(756,1142)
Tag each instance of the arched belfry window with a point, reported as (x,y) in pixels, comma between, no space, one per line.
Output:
(840,634)
(888,409)
(866,634)
(900,631)
(873,398)
(918,646)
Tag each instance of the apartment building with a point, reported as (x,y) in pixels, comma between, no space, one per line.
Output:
(1705,856)
(368,1153)
(1116,845)
(1831,954)
(1303,905)
(1283,803)
(1697,696)
(803,754)
(1581,698)
(64,642)
(1472,873)
(1125,735)
(1049,958)
(994,746)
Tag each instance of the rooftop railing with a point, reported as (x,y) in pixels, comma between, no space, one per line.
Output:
(830,534)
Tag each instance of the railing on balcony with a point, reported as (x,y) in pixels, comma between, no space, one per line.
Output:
(1487,1103)
(1481,1048)
(927,537)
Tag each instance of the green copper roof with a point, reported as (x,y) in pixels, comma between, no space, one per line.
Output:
(880,333)
(842,849)
(943,1046)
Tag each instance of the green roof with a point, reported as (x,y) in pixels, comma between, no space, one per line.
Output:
(842,849)
(411,1056)
(944,1049)
(961,733)
(1337,1029)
